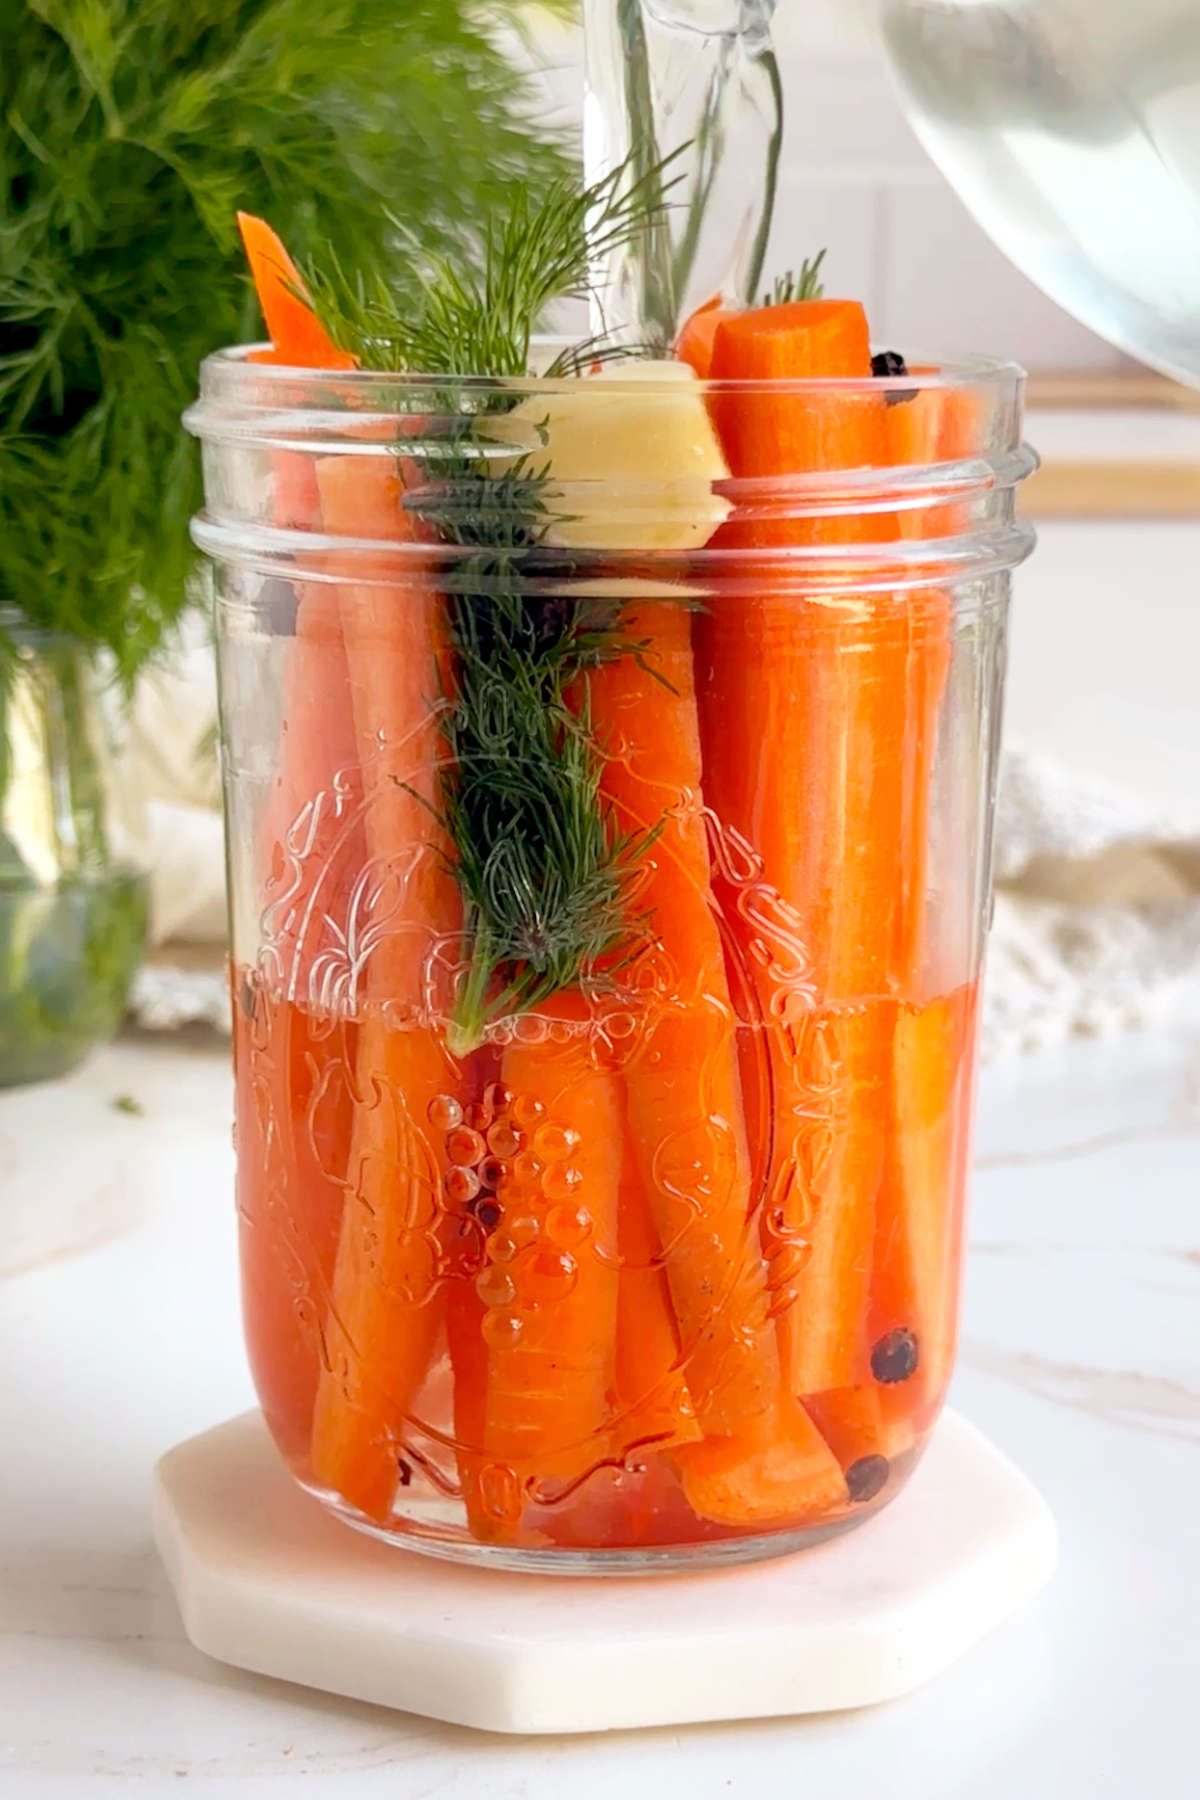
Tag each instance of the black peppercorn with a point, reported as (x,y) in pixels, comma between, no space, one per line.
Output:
(885,366)
(888,362)
(867,1477)
(895,1357)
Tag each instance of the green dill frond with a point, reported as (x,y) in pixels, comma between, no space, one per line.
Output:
(130,130)
(542,868)
(599,351)
(802,284)
(542,874)
(481,321)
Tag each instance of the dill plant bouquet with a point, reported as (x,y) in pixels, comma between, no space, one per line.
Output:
(129,135)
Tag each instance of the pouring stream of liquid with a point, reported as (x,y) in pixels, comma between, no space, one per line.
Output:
(697,77)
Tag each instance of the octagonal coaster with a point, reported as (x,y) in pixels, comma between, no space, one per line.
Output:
(266,1580)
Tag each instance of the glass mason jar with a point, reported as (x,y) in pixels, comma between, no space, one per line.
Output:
(73,891)
(610,867)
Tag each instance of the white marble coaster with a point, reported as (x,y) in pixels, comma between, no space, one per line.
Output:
(267,1581)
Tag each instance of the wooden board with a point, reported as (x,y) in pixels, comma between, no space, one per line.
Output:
(1138,487)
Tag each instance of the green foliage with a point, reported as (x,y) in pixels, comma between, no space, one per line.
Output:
(798,284)
(130,131)
(68,956)
(542,867)
(480,322)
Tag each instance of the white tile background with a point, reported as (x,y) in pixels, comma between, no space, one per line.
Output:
(856,180)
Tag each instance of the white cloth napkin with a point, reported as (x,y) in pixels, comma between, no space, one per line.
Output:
(1097,924)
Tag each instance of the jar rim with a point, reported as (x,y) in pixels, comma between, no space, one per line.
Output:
(926,371)
(961,500)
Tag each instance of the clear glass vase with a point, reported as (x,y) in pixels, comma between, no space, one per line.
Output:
(73,894)
(609,873)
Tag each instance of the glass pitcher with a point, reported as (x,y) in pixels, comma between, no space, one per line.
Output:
(1071,128)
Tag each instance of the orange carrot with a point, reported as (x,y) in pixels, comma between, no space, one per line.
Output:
(822,685)
(388,1282)
(916,1252)
(311,837)
(836,1069)
(772,435)
(778,1469)
(694,344)
(465,1313)
(297,336)
(550,1282)
(296,1132)
(293,1076)
(918,1220)
(929,625)
(934,426)
(858,1425)
(937,425)
(684,1094)
(920,1211)
(312,846)
(655,1407)
(391,1267)
(635,1498)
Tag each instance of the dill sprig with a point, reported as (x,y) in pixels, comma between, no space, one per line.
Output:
(481,322)
(597,352)
(542,868)
(542,871)
(798,284)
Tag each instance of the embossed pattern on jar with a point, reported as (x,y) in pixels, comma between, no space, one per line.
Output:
(646,1257)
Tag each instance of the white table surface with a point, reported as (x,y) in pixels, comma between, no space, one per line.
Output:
(1081,1358)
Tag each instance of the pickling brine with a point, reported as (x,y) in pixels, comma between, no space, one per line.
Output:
(582,1336)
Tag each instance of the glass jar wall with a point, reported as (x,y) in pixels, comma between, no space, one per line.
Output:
(609,873)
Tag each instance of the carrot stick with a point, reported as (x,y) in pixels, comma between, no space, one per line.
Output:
(312,847)
(294,1067)
(311,841)
(684,1094)
(389,1276)
(937,425)
(773,435)
(777,1469)
(822,684)
(293,1079)
(635,1499)
(694,344)
(655,1407)
(297,336)
(916,1250)
(865,1433)
(465,1313)
(550,1284)
(388,1288)
(916,1253)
